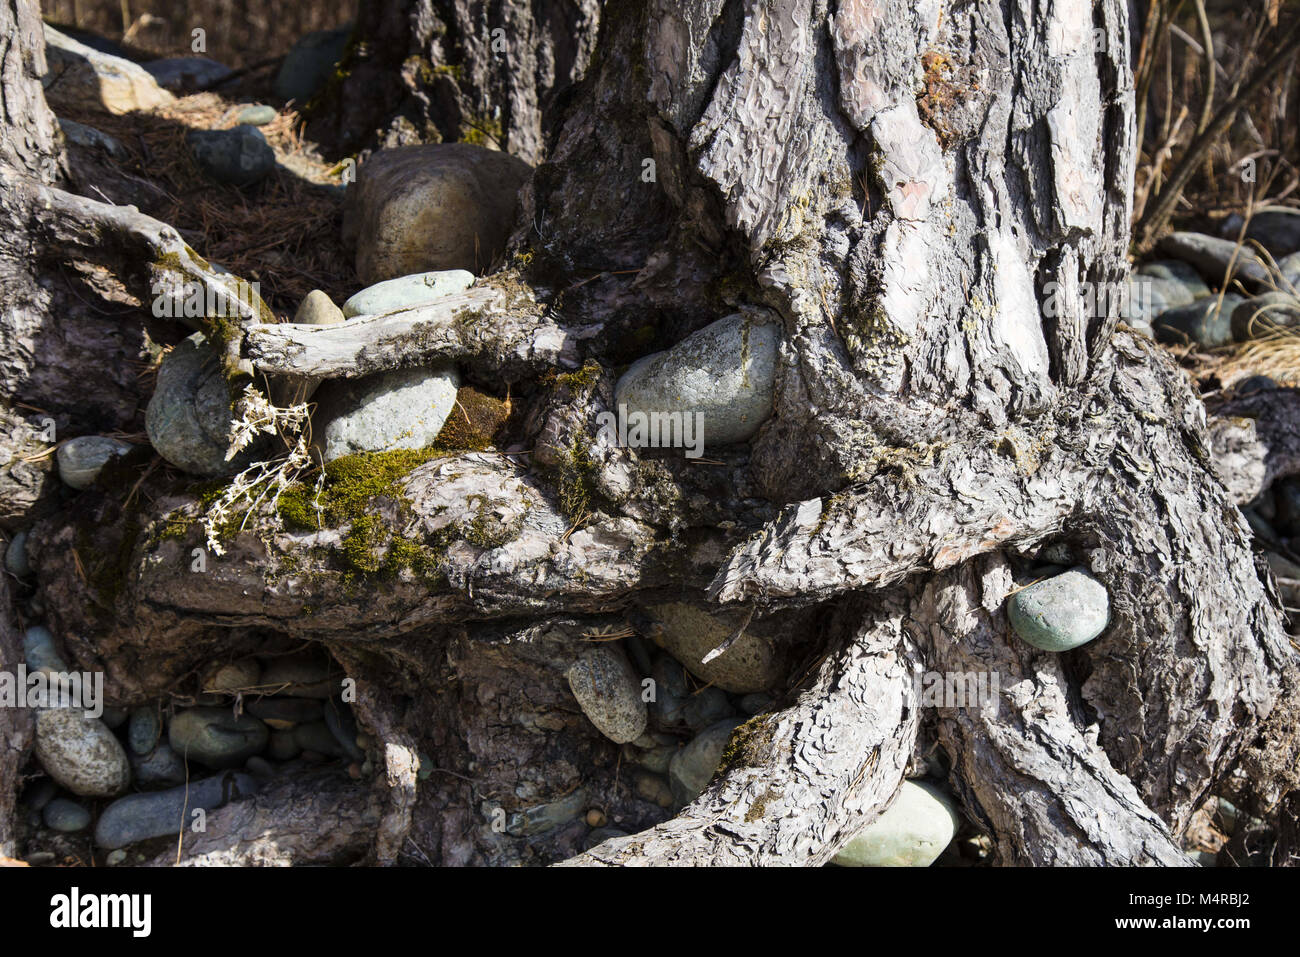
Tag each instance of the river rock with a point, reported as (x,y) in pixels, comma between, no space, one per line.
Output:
(403,409)
(657,758)
(256,114)
(316,736)
(240,675)
(40,653)
(1286,503)
(544,817)
(609,692)
(689,632)
(1204,322)
(342,724)
(1061,612)
(318,309)
(693,766)
(215,737)
(281,713)
(653,788)
(185,74)
(305,674)
(16,556)
(66,816)
(670,692)
(724,371)
(81,753)
(139,817)
(238,157)
(707,706)
(1159,286)
(80,77)
(434,207)
(144,730)
(1265,315)
(83,458)
(600,835)
(188,418)
(284,745)
(309,63)
(1277,230)
(92,139)
(1211,255)
(406,291)
(160,768)
(913,832)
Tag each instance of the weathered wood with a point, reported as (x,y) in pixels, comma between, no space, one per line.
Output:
(488,326)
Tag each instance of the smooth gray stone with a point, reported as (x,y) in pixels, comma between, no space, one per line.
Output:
(309,63)
(1265,315)
(1255,383)
(1278,231)
(215,737)
(725,371)
(237,157)
(544,817)
(693,766)
(114,717)
(406,291)
(144,730)
(239,675)
(160,768)
(707,706)
(39,651)
(66,816)
(669,704)
(912,832)
(83,458)
(256,114)
(284,745)
(1211,255)
(182,74)
(188,417)
(1201,322)
(1175,271)
(316,736)
(91,138)
(283,712)
(609,692)
(756,703)
(343,725)
(403,409)
(139,817)
(16,556)
(80,753)
(1290,269)
(657,759)
(1061,612)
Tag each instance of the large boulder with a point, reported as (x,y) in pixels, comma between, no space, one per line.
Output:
(424,208)
(84,78)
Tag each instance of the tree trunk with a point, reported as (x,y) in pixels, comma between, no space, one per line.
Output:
(435,71)
(925,198)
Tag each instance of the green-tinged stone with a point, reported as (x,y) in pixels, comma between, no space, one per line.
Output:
(1061,612)
(913,832)
(406,291)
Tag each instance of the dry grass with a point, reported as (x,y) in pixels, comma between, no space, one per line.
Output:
(283,232)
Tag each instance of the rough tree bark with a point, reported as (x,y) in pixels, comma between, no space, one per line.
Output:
(455,71)
(905,186)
